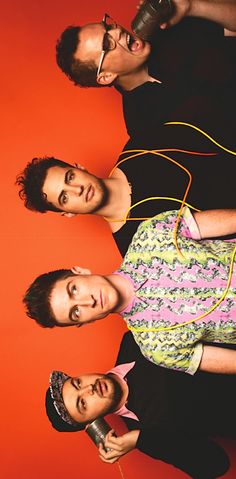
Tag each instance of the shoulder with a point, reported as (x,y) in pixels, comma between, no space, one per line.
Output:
(129,351)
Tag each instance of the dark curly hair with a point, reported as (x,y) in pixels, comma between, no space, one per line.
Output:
(31,182)
(37,297)
(81,73)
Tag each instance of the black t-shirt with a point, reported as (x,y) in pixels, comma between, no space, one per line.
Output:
(173,400)
(197,67)
(150,175)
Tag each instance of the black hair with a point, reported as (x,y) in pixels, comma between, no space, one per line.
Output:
(82,73)
(31,182)
(37,297)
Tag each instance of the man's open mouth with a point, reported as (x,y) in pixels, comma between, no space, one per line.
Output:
(134,43)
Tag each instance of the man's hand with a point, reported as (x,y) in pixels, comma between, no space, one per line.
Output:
(118,445)
(222,12)
(181,10)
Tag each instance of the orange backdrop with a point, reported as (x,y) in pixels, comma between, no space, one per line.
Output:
(44,114)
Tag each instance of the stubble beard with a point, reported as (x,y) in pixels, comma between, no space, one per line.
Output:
(103,196)
(116,395)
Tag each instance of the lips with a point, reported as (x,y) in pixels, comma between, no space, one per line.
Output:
(89,193)
(100,387)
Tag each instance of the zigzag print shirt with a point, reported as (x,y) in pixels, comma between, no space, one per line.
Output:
(173,289)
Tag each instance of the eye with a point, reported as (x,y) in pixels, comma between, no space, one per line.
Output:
(76,313)
(64,198)
(74,289)
(83,404)
(70,176)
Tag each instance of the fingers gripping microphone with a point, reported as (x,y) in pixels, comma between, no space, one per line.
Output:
(150,15)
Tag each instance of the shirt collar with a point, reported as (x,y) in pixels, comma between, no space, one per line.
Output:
(121,371)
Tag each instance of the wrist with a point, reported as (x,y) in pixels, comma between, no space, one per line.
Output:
(195,8)
(134,435)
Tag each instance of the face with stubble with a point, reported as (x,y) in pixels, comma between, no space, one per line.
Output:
(74,190)
(89,396)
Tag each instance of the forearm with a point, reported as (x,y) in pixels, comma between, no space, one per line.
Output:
(222,12)
(213,223)
(218,360)
(117,446)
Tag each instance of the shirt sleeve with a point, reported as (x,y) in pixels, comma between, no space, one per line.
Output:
(189,226)
(164,224)
(162,349)
(160,230)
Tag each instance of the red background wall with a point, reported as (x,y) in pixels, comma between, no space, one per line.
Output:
(44,114)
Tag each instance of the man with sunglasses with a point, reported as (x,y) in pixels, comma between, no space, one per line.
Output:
(111,54)
(95,45)
(170,416)
(187,74)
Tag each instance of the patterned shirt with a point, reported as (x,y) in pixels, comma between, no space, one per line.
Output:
(178,301)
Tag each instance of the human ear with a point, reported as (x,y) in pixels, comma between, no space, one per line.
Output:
(106,78)
(79,270)
(68,215)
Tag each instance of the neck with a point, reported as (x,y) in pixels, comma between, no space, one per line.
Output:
(124,288)
(133,80)
(118,196)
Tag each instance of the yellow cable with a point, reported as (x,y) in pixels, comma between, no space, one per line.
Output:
(141,152)
(203,133)
(183,203)
(157,153)
(151,198)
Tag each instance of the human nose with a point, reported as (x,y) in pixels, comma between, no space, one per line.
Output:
(88,301)
(87,389)
(76,190)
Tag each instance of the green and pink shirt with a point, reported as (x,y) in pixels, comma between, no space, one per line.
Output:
(179,299)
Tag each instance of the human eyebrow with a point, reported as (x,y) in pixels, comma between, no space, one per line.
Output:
(68,290)
(78,399)
(73,383)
